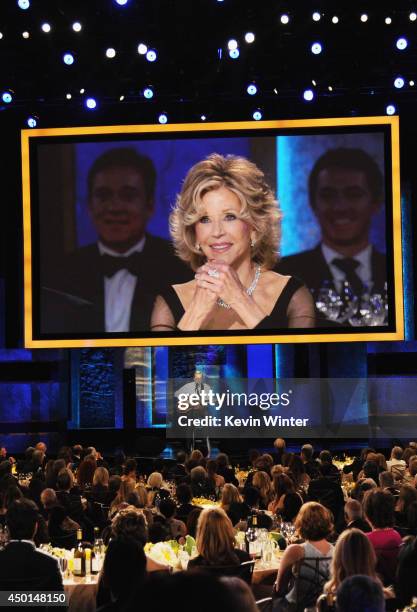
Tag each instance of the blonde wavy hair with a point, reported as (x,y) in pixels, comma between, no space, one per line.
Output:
(216,537)
(259,209)
(230,495)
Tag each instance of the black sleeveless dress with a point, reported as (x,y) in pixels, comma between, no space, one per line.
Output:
(277,319)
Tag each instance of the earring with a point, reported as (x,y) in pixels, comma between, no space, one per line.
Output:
(252,242)
(198,247)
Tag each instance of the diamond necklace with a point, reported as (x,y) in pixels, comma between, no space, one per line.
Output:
(249,290)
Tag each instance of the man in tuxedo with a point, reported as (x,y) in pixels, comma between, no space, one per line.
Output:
(345,191)
(23,567)
(112,284)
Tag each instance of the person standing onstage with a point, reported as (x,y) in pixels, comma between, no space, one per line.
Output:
(226,226)
(197,388)
(345,191)
(23,567)
(120,275)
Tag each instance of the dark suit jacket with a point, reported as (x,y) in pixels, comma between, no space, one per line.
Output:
(79,275)
(311,267)
(23,567)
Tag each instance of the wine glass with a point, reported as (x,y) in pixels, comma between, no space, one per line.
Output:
(328,301)
(349,303)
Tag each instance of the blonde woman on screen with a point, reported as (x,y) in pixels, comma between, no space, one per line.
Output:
(226,226)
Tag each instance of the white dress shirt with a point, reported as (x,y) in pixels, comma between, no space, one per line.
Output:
(118,291)
(364,270)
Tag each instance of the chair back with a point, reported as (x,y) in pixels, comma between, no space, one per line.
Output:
(310,575)
(243,570)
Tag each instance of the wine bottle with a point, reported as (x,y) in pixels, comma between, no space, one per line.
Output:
(251,536)
(79,556)
(97,552)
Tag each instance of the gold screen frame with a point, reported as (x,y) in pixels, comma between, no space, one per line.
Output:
(27,136)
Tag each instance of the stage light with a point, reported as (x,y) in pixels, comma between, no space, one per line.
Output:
(142,49)
(163,118)
(308,95)
(330,88)
(148,93)
(364,17)
(249,37)
(402,43)
(151,55)
(285,19)
(234,53)
(121,98)
(316,16)
(122,2)
(110,52)
(252,89)
(399,82)
(203,117)
(82,90)
(232,44)
(76,26)
(390,109)
(257,115)
(1,35)
(7,97)
(335,19)
(32,121)
(68,96)
(46,28)
(275,90)
(23,4)
(25,34)
(68,59)
(388,20)
(411,83)
(412,16)
(316,48)
(91,103)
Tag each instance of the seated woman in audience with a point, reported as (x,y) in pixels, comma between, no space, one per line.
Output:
(62,529)
(378,506)
(124,571)
(308,563)
(355,467)
(85,473)
(225,470)
(192,521)
(129,470)
(361,487)
(283,485)
(122,498)
(197,456)
(262,482)
(200,484)
(167,509)
(52,470)
(408,495)
(230,495)
(100,489)
(156,491)
(216,479)
(353,554)
(297,473)
(184,495)
(381,462)
(216,540)
(406,583)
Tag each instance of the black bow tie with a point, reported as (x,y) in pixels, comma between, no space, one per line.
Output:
(110,265)
(348,265)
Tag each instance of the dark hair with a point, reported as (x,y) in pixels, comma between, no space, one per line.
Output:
(406,584)
(222,460)
(130,466)
(307,451)
(291,507)
(184,493)
(125,157)
(124,567)
(21,519)
(352,159)
(85,472)
(167,507)
(370,470)
(283,485)
(379,506)
(253,454)
(12,494)
(192,521)
(360,593)
(64,480)
(251,496)
(181,456)
(114,483)
(325,456)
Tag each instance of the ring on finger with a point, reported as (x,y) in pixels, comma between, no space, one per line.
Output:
(213,273)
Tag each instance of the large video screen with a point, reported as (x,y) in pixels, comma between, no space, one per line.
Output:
(227,233)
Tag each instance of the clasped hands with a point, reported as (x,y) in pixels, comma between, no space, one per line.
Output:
(219,280)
